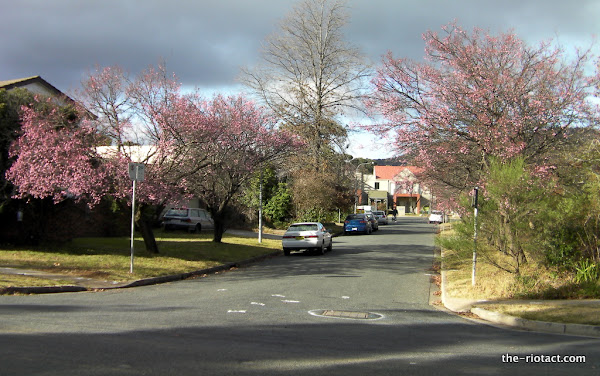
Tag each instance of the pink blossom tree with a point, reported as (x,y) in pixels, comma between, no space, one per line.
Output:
(220,144)
(194,147)
(478,96)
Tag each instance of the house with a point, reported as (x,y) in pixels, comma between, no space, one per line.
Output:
(37,85)
(28,221)
(397,186)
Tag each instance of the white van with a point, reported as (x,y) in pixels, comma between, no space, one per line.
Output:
(191,219)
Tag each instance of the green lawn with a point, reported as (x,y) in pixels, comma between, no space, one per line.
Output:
(109,258)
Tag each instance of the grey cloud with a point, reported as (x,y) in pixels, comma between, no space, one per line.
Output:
(205,42)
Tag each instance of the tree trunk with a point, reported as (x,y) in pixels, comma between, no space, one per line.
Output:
(219,230)
(145,227)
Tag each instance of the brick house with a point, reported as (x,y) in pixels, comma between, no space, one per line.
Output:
(41,219)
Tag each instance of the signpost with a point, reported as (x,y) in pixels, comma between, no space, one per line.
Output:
(475,208)
(136,173)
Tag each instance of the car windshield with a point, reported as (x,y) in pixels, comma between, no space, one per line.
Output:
(355,216)
(304,227)
(177,213)
(378,213)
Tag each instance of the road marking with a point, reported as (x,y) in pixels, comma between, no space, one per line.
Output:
(236,311)
(222,290)
(345,297)
(291,301)
(259,304)
(278,296)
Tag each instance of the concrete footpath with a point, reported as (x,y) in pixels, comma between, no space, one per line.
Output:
(477,307)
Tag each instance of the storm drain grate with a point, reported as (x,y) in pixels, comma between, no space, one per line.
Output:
(347,314)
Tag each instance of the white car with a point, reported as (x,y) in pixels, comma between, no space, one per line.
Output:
(436,216)
(191,219)
(381,217)
(307,235)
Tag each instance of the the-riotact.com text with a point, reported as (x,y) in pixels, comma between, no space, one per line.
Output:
(532,358)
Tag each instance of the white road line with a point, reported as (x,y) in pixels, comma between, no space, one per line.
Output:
(236,311)
(259,304)
(291,301)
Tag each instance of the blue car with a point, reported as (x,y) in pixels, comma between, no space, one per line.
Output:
(357,223)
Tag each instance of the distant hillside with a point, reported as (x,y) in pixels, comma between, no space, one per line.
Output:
(389,162)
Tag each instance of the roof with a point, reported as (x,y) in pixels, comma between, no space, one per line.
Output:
(390,172)
(20,82)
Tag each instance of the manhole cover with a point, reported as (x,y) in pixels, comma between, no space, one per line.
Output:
(346,314)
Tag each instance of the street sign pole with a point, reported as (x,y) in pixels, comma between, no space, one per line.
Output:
(475,209)
(132,226)
(136,173)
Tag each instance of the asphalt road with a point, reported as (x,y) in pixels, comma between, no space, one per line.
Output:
(267,319)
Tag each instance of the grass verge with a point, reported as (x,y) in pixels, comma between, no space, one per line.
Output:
(514,292)
(109,258)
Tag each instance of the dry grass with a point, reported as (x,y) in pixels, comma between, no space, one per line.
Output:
(535,281)
(555,311)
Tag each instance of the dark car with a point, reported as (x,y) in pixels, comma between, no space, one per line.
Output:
(357,223)
(374,221)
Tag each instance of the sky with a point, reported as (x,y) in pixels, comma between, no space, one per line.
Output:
(206,42)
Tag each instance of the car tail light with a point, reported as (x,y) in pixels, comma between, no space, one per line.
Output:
(363,222)
(310,236)
(288,237)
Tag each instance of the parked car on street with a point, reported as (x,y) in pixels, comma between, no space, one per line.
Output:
(190,219)
(381,217)
(308,236)
(436,216)
(357,223)
(374,222)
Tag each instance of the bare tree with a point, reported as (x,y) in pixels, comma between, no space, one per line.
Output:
(309,74)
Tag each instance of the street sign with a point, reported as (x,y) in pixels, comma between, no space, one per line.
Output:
(136,171)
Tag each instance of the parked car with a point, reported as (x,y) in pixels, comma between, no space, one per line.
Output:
(436,216)
(357,223)
(190,219)
(307,235)
(374,222)
(381,217)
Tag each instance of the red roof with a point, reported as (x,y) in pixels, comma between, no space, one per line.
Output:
(390,172)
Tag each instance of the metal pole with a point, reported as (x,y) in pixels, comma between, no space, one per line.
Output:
(260,208)
(475,199)
(132,224)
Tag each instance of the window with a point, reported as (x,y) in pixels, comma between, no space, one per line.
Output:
(376,185)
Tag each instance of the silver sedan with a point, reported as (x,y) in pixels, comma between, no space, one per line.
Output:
(307,235)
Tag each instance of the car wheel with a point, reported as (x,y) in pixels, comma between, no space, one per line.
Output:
(330,248)
(286,252)
(198,228)
(321,249)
